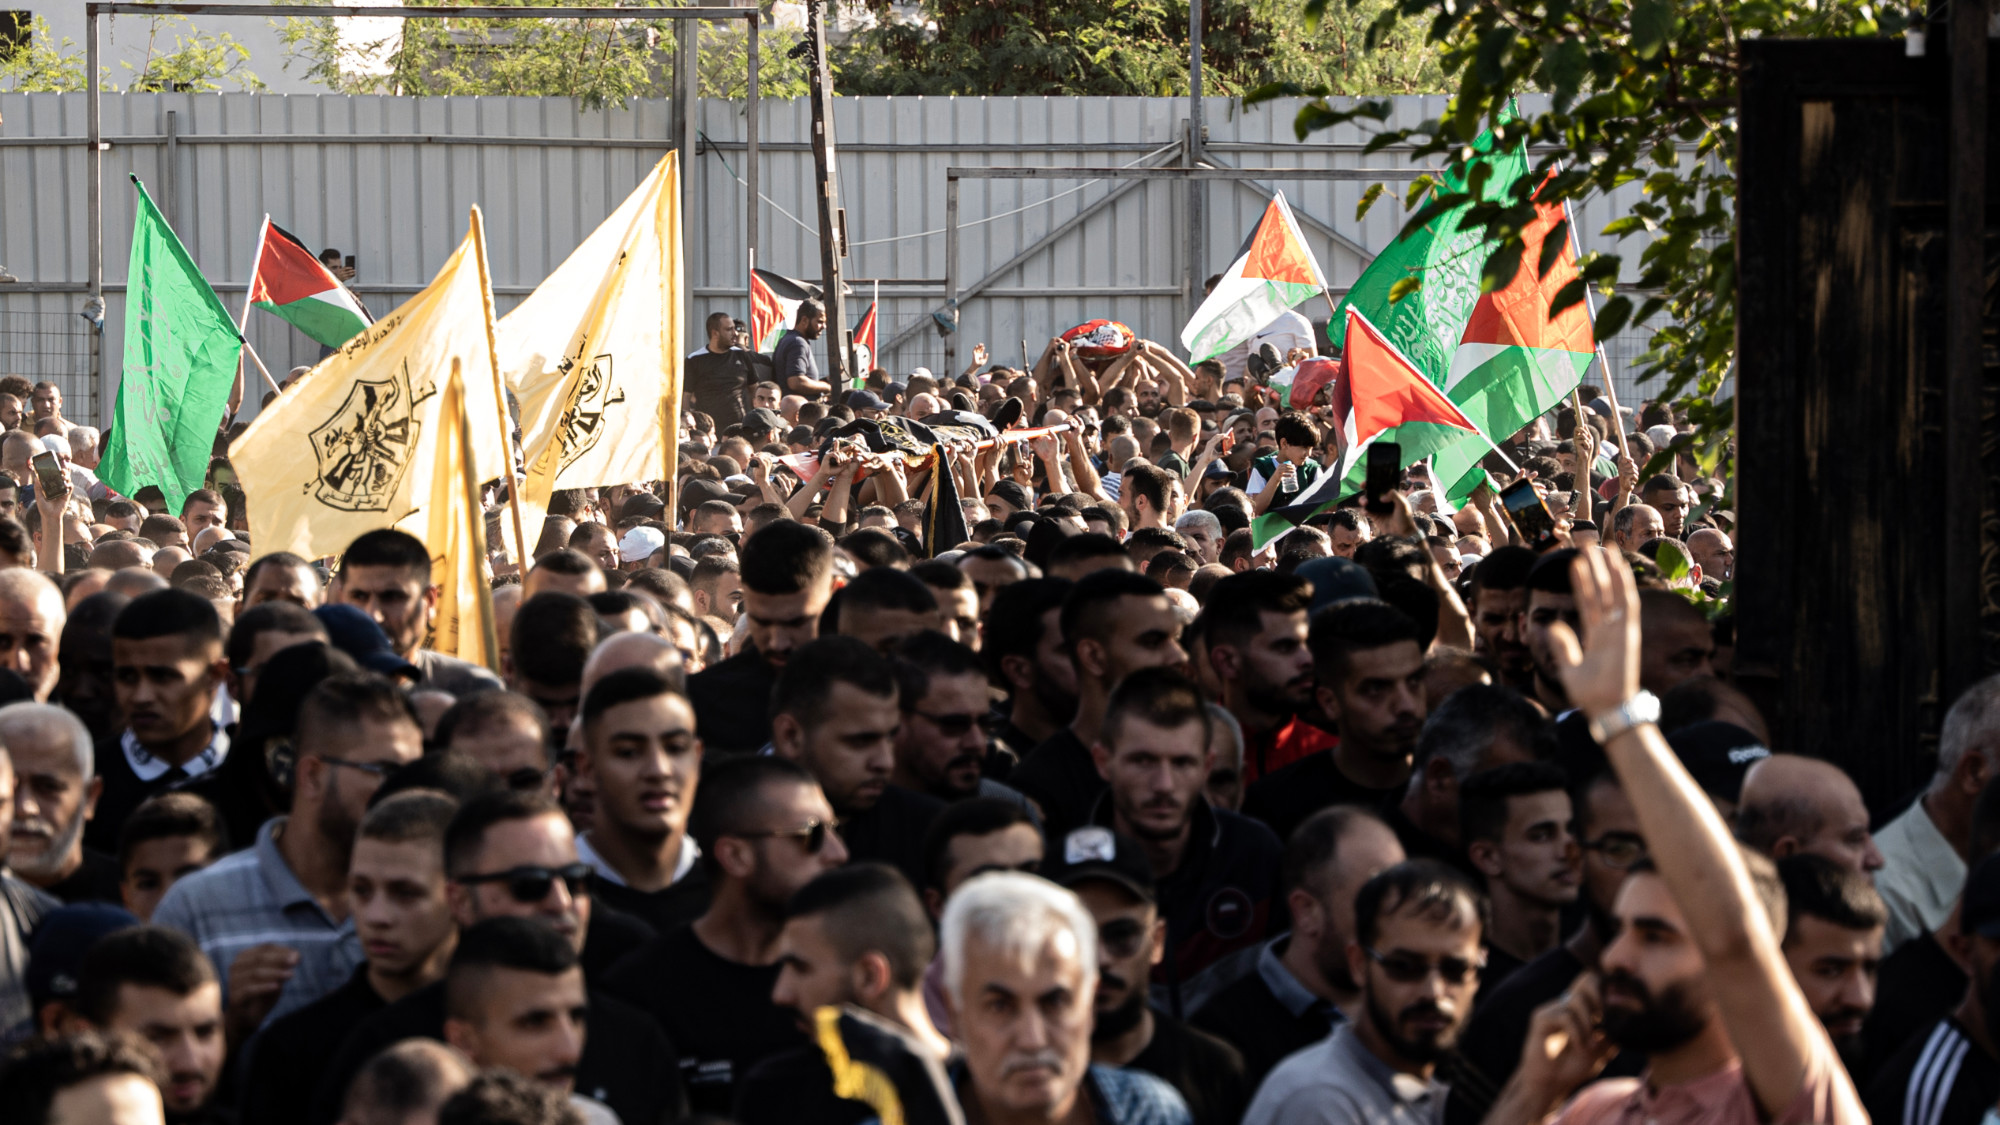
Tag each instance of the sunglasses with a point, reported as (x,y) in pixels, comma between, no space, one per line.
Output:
(953,726)
(1617,849)
(814,834)
(531,883)
(376,770)
(1408,968)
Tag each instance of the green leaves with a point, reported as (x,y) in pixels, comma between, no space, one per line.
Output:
(1612,317)
(1652,26)
(1403,287)
(1368,199)
(1552,247)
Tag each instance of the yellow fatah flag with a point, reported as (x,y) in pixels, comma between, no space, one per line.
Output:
(593,356)
(358,443)
(452,523)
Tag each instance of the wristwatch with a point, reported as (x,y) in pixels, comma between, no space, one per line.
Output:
(1641,708)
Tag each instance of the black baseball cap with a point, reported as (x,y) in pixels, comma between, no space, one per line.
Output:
(1093,852)
(1718,755)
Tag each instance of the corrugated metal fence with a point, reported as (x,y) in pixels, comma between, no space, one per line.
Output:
(390,180)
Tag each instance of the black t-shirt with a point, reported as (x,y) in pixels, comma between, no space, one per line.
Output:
(1500,965)
(718,384)
(612,937)
(626,1061)
(893,831)
(1490,1049)
(1284,799)
(1919,985)
(1207,1071)
(665,909)
(97,879)
(732,703)
(795,1087)
(1942,1078)
(123,791)
(718,1013)
(1246,1015)
(1060,776)
(282,1065)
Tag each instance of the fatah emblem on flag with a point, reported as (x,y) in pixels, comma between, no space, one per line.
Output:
(364,447)
(582,421)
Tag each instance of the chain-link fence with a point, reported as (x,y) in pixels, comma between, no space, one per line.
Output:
(52,347)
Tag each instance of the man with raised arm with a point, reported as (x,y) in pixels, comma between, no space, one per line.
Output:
(1695,977)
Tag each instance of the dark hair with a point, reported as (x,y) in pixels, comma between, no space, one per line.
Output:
(814,667)
(1091,604)
(268,617)
(389,547)
(1820,888)
(626,685)
(974,816)
(710,568)
(501,1097)
(732,790)
(1345,628)
(1148,482)
(1483,797)
(284,559)
(1467,723)
(457,776)
(552,635)
(403,1079)
(40,1069)
(1089,545)
(528,945)
(920,657)
(1316,843)
(1550,574)
(941,575)
(1296,428)
(1239,544)
(1505,569)
(875,549)
(467,832)
(173,813)
(1236,604)
(412,816)
(1164,697)
(1160,538)
(341,702)
(884,587)
(153,956)
(870,908)
(1665,482)
(480,711)
(785,558)
(1433,889)
(575,564)
(169,613)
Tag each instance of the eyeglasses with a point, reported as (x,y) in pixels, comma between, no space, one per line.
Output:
(1408,968)
(953,726)
(1617,849)
(532,883)
(376,770)
(814,834)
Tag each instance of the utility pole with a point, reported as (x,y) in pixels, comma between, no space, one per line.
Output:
(832,218)
(1197,197)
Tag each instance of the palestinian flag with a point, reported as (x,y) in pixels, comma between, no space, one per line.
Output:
(774,301)
(290,282)
(1274,271)
(1381,396)
(864,345)
(1498,356)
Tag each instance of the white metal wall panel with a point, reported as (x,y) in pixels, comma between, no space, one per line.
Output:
(396,194)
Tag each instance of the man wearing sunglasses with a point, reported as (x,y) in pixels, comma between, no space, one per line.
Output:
(946,704)
(835,712)
(512,855)
(1113,877)
(1416,953)
(787,574)
(765,831)
(642,759)
(353,731)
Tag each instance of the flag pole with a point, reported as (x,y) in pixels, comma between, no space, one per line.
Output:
(265,371)
(499,393)
(1603,361)
(243,318)
(475,516)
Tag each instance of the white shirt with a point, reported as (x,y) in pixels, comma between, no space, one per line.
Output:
(690,852)
(146,766)
(1921,876)
(1289,330)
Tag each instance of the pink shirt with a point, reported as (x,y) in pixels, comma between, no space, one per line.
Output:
(1722,1098)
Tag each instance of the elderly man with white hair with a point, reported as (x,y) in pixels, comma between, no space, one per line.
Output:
(1020,971)
(83,445)
(55,794)
(1203,532)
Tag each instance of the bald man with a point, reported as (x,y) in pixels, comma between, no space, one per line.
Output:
(1713,552)
(1794,805)
(31,624)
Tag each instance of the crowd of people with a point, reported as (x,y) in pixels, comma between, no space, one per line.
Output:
(1094,806)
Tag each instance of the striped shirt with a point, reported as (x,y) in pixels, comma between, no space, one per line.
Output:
(1938,1078)
(252,898)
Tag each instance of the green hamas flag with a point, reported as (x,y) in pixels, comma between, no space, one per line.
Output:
(181,350)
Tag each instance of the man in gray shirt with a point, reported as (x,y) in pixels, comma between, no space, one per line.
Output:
(387,575)
(1416,953)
